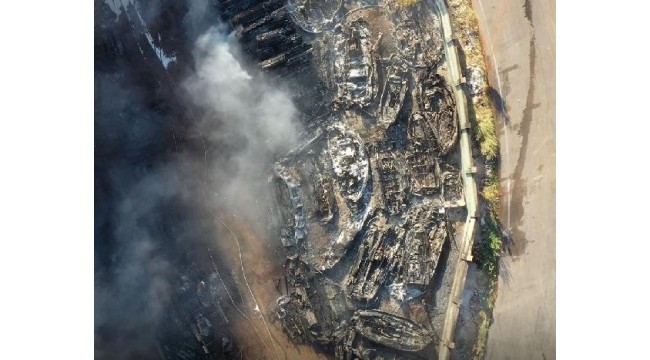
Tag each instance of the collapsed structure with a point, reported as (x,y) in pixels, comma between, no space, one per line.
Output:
(362,206)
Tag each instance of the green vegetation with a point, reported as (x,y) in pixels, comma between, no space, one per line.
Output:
(487,253)
(465,22)
(487,250)
(481,112)
(484,128)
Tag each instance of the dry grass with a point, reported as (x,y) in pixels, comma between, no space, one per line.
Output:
(484,127)
(492,192)
(481,114)
(406,3)
(465,24)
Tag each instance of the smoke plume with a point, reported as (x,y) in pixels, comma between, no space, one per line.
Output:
(150,192)
(247,116)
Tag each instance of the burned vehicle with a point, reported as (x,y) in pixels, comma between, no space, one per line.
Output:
(362,204)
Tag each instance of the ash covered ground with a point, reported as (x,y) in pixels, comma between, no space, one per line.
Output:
(273,179)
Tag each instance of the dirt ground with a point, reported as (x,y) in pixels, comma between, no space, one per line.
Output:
(519,40)
(257,334)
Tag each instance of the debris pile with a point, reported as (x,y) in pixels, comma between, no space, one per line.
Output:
(390,330)
(322,193)
(361,207)
(403,258)
(314,16)
(355,69)
(394,92)
(438,109)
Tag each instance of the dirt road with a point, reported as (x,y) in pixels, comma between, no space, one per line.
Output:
(519,40)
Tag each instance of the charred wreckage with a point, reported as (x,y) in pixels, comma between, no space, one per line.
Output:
(362,206)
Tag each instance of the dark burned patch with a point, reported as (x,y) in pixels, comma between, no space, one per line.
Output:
(268,38)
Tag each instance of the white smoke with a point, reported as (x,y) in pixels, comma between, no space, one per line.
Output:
(257,119)
(147,216)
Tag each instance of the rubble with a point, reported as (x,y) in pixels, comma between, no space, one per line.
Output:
(423,244)
(361,205)
(426,171)
(354,346)
(405,254)
(392,331)
(314,16)
(349,162)
(401,293)
(375,261)
(438,108)
(417,36)
(322,190)
(452,190)
(355,69)
(314,307)
(394,181)
(394,92)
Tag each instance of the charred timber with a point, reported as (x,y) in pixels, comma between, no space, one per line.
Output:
(274,36)
(265,53)
(274,62)
(298,49)
(301,59)
(276,19)
(249,16)
(228,8)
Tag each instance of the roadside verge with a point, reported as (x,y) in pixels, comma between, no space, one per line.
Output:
(468,170)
